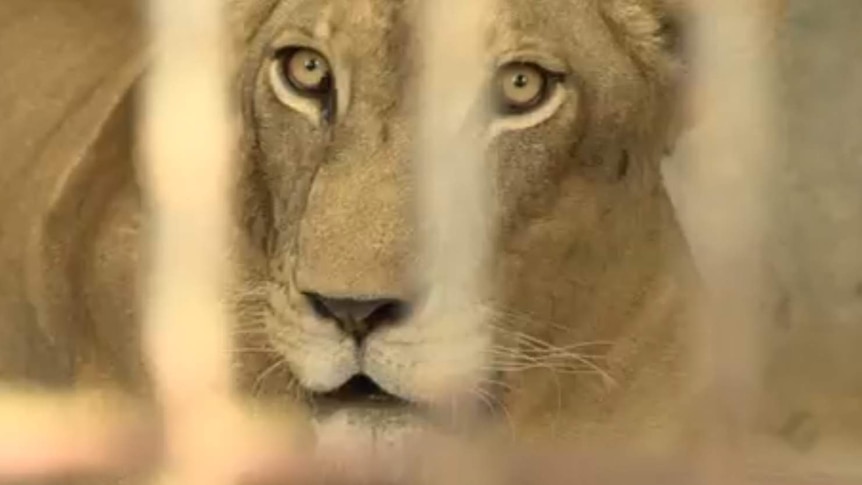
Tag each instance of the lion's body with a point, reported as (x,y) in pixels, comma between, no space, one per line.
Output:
(68,70)
(592,276)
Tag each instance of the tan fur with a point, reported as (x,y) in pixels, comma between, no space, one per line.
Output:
(588,254)
(583,252)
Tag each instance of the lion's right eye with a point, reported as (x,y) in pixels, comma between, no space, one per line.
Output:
(522,87)
(303,79)
(306,71)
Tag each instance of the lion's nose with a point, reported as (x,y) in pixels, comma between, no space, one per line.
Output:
(358,316)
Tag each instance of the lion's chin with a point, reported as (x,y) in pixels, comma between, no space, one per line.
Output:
(365,434)
(374,444)
(361,421)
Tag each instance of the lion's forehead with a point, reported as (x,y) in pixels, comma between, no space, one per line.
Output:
(325,19)
(364,26)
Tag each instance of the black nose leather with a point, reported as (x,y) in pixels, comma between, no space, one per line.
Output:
(356,316)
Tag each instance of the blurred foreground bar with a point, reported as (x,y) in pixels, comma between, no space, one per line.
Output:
(450,149)
(724,204)
(188,152)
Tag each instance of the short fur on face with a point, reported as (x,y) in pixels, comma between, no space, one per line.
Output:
(582,263)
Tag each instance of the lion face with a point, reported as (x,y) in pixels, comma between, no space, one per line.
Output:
(583,99)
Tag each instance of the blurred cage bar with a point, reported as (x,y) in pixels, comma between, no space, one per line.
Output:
(188,146)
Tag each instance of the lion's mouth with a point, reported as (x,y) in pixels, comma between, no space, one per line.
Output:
(361,415)
(360,392)
(362,421)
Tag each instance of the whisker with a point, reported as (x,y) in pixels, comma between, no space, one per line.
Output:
(568,371)
(516,317)
(519,362)
(549,354)
(249,350)
(546,348)
(255,389)
(494,403)
(515,357)
(250,331)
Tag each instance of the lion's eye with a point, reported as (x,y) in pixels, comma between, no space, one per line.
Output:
(522,87)
(307,71)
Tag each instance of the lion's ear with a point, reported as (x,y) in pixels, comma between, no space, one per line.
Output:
(677,20)
(674,18)
(678,23)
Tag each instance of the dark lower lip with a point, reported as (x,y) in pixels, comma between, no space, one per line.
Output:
(370,402)
(359,394)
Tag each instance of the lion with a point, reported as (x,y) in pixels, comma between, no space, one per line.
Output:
(584,261)
(592,276)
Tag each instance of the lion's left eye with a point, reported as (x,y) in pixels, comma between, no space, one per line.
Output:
(307,71)
(522,87)
(303,78)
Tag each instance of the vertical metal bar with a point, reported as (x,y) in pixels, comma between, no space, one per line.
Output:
(724,204)
(452,171)
(452,167)
(188,147)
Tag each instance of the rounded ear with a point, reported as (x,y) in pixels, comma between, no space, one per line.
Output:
(678,21)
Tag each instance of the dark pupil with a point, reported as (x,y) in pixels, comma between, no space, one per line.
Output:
(521,81)
(311,64)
